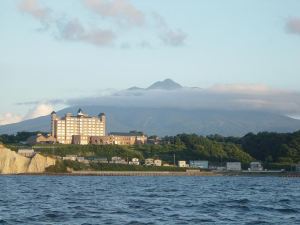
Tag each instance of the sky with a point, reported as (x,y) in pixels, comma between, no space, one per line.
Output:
(53,50)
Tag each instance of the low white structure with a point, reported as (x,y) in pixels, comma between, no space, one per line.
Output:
(298,167)
(70,157)
(166,164)
(256,166)
(134,161)
(81,159)
(26,152)
(199,164)
(233,166)
(118,160)
(157,162)
(220,168)
(149,162)
(100,160)
(182,163)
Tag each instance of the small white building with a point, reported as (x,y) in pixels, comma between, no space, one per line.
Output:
(233,166)
(220,168)
(157,162)
(256,166)
(182,163)
(26,152)
(298,167)
(199,164)
(149,162)
(166,164)
(70,157)
(100,160)
(134,161)
(81,159)
(118,160)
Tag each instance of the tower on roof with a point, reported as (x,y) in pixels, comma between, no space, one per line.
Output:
(80,112)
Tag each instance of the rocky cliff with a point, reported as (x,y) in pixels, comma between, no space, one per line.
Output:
(13,163)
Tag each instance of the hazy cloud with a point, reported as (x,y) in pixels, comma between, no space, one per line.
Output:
(51,102)
(67,29)
(41,109)
(122,11)
(218,97)
(145,44)
(9,118)
(169,36)
(173,37)
(118,12)
(293,25)
(250,89)
(75,31)
(223,97)
(35,9)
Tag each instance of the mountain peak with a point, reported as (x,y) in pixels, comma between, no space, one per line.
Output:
(166,84)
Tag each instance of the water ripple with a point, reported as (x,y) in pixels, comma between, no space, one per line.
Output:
(148,200)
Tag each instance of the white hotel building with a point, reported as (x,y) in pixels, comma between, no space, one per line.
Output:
(77,129)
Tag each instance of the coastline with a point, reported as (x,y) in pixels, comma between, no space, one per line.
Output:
(160,173)
(120,173)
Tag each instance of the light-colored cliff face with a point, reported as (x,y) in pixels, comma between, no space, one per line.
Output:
(38,163)
(13,163)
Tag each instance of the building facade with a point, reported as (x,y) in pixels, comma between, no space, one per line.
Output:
(199,164)
(41,139)
(182,163)
(131,138)
(157,162)
(149,162)
(256,166)
(77,129)
(233,166)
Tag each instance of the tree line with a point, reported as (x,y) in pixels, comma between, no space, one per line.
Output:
(267,147)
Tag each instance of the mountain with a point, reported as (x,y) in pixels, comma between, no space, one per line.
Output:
(167,108)
(171,121)
(166,84)
(135,88)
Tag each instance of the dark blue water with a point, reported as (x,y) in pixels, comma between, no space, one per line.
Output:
(149,200)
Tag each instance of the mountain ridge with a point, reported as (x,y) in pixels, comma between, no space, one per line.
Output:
(167,108)
(171,121)
(167,84)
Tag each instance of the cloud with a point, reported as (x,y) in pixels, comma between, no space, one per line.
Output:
(39,12)
(231,97)
(9,118)
(293,25)
(241,88)
(173,37)
(41,109)
(221,97)
(64,28)
(73,30)
(34,103)
(122,11)
(168,35)
(117,13)
(144,44)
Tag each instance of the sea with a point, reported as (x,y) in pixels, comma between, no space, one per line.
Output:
(149,200)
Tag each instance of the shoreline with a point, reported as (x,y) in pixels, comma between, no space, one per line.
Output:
(119,173)
(160,173)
